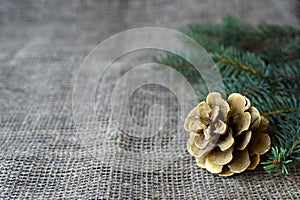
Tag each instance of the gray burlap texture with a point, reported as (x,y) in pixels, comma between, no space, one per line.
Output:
(42,45)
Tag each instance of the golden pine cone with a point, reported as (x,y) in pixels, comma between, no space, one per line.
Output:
(227,137)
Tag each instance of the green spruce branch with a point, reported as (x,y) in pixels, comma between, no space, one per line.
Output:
(262,63)
(286,151)
(278,43)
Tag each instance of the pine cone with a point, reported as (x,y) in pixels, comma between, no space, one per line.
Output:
(227,137)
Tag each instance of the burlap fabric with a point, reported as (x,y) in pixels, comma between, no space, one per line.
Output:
(42,45)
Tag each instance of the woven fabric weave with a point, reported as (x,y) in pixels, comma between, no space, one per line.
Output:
(42,45)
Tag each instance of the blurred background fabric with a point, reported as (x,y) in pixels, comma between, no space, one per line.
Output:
(42,45)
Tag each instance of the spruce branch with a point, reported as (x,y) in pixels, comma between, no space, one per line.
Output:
(236,64)
(262,63)
(286,152)
(276,112)
(273,43)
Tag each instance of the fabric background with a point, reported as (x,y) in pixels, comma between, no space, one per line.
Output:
(42,44)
